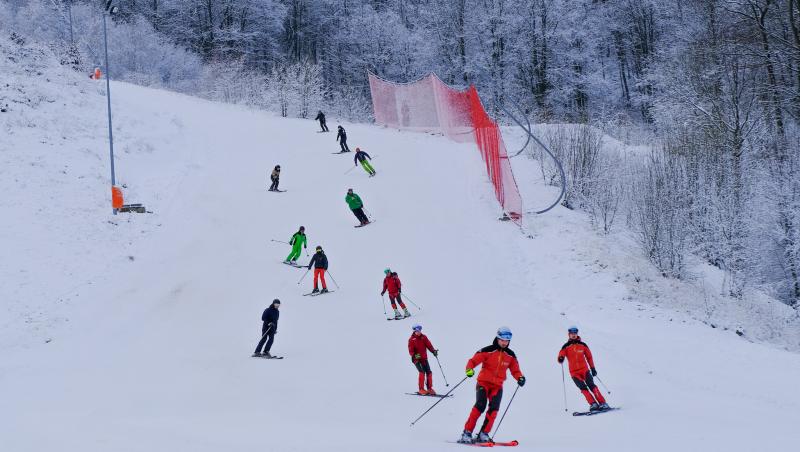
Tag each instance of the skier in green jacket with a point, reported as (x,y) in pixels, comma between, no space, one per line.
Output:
(297,240)
(356,205)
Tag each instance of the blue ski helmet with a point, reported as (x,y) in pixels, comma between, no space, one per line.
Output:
(417,327)
(504,333)
(573,330)
(387,271)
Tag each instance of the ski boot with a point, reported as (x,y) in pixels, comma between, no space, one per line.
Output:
(324,290)
(483,437)
(406,313)
(423,392)
(256,355)
(315,290)
(397,315)
(594,407)
(466,437)
(431,391)
(266,355)
(604,407)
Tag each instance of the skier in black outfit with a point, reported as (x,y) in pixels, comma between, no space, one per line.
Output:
(342,138)
(275,177)
(320,263)
(269,328)
(321,118)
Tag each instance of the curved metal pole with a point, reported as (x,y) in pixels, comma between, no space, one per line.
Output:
(558,163)
(529,130)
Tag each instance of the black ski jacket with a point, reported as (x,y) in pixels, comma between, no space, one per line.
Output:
(320,117)
(320,260)
(341,135)
(360,156)
(271,315)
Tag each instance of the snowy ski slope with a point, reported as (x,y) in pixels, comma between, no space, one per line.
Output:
(155,355)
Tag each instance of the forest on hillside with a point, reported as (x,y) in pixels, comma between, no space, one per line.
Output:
(712,86)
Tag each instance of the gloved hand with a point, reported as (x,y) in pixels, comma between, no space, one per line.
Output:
(594,372)
(560,359)
(521,381)
(417,356)
(435,352)
(309,266)
(383,293)
(470,372)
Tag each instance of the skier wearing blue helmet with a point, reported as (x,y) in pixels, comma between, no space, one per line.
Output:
(418,347)
(494,361)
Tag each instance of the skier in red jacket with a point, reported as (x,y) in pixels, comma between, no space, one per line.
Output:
(392,283)
(418,346)
(578,355)
(494,360)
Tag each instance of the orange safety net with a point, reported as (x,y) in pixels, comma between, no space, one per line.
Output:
(430,105)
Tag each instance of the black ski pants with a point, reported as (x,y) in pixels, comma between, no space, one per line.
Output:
(423,366)
(343,144)
(323,125)
(267,336)
(586,383)
(359,213)
(274,185)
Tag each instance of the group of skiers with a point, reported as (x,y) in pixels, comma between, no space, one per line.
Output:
(495,360)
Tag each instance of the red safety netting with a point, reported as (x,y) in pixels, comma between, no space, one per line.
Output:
(430,105)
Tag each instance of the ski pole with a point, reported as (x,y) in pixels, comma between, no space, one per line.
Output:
(304,276)
(604,385)
(334,281)
(412,302)
(383,303)
(504,412)
(280,241)
(440,368)
(437,402)
(351,169)
(564,386)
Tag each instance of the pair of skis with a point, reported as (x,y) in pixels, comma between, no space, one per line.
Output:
(490,443)
(315,294)
(266,357)
(365,224)
(440,396)
(592,413)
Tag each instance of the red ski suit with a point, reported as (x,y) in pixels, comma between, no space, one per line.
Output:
(392,283)
(578,355)
(494,362)
(420,344)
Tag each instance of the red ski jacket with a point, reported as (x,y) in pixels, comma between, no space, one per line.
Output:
(495,361)
(578,354)
(419,344)
(392,284)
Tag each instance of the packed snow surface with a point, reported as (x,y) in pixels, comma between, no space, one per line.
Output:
(162,310)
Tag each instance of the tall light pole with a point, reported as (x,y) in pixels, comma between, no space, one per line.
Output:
(109,10)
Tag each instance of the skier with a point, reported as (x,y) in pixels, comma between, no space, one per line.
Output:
(392,283)
(297,240)
(356,205)
(578,355)
(495,359)
(268,328)
(341,137)
(362,157)
(321,118)
(320,263)
(418,346)
(275,176)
